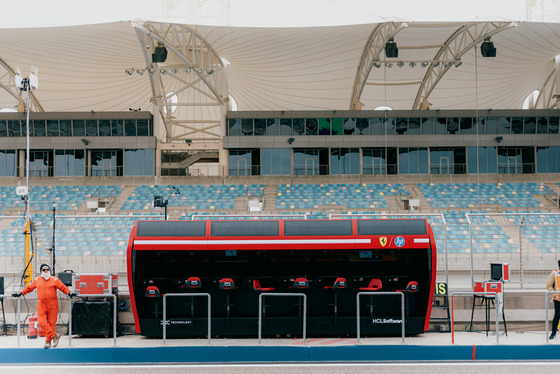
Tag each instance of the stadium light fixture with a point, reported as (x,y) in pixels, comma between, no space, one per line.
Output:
(160,54)
(290,140)
(85,141)
(389,65)
(487,48)
(129,71)
(391,50)
(412,64)
(400,64)
(424,64)
(377,64)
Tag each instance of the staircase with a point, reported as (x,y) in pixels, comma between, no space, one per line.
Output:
(270,193)
(121,198)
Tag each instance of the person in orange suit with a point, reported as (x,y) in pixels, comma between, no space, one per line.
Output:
(47,307)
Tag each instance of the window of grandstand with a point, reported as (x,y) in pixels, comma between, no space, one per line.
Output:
(383,107)
(345,161)
(138,162)
(276,161)
(69,162)
(413,160)
(531,100)
(311,161)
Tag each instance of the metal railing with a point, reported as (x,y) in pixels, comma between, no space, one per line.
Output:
(378,293)
(164,323)
(546,296)
(70,317)
(495,294)
(262,295)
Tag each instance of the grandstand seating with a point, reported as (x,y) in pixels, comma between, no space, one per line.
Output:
(61,197)
(352,196)
(95,236)
(210,196)
(469,195)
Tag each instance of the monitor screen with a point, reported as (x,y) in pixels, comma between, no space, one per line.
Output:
(496,272)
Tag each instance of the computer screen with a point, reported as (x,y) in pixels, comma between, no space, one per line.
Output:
(496,272)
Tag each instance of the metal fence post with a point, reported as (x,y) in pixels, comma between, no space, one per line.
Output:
(114,316)
(472,294)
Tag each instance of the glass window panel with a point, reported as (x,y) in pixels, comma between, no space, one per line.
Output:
(389,128)
(504,125)
(363,125)
(311,126)
(260,126)
(234,127)
(138,162)
(324,126)
(79,127)
(553,125)
(129,127)
(337,126)
(286,126)
(105,127)
(427,126)
(14,128)
(53,127)
(403,161)
(349,126)
(517,125)
(542,125)
(286,157)
(401,125)
(8,163)
(491,160)
(272,126)
(149,162)
(144,127)
(467,125)
(247,127)
(3,128)
(79,162)
(453,126)
(440,126)
(529,125)
(91,127)
(39,127)
(551,159)
(491,126)
(413,126)
(299,126)
(471,160)
(117,127)
(267,156)
(306,162)
(65,127)
(129,162)
(423,161)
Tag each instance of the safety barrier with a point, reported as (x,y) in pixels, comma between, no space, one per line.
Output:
(262,295)
(183,295)
(495,294)
(378,293)
(546,296)
(94,296)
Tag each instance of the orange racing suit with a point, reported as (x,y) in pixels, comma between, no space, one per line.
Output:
(47,308)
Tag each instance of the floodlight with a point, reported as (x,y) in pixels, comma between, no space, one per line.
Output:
(391,50)
(140,71)
(400,64)
(18,79)
(389,65)
(377,64)
(163,72)
(487,48)
(412,64)
(458,64)
(128,71)
(424,64)
(34,78)
(160,54)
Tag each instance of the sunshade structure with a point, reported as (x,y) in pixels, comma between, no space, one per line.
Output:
(211,69)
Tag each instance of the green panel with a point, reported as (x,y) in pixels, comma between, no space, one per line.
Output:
(337,126)
(324,126)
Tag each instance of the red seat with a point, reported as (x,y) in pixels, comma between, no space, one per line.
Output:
(300,284)
(412,286)
(193,282)
(257,286)
(374,285)
(227,284)
(339,283)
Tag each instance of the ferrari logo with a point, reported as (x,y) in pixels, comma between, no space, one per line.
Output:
(383,241)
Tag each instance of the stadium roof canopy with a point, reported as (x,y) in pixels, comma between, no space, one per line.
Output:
(108,67)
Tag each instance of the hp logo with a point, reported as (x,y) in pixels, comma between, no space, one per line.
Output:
(399,241)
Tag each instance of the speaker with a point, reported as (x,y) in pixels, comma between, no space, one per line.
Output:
(487,49)
(1,285)
(158,201)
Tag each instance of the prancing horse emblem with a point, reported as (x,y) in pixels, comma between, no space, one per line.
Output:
(383,241)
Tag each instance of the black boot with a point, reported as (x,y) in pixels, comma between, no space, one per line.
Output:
(552,336)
